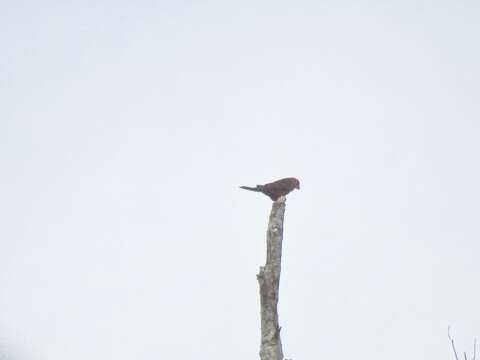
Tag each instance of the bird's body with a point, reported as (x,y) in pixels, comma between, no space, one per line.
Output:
(276,189)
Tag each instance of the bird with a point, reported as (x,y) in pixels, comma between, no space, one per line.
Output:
(276,189)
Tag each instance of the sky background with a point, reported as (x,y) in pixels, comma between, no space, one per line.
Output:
(127,127)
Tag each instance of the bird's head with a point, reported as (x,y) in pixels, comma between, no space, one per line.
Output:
(297,183)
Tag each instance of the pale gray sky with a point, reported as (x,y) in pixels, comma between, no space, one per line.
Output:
(127,127)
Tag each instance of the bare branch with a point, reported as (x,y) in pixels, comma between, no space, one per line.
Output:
(453,344)
(474,348)
(269,281)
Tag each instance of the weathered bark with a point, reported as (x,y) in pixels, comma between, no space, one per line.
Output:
(269,281)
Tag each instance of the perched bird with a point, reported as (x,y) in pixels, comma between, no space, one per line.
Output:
(277,188)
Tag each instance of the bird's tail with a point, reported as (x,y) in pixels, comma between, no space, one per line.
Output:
(251,188)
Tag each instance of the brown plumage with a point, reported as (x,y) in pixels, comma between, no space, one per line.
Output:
(277,188)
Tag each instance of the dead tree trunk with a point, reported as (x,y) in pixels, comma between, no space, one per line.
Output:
(269,281)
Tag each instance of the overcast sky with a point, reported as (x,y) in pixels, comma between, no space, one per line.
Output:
(126,128)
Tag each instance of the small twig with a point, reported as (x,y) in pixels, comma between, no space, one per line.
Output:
(453,344)
(474,348)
